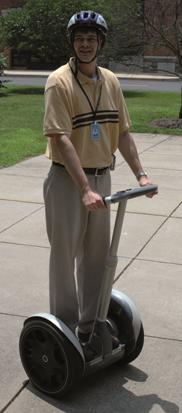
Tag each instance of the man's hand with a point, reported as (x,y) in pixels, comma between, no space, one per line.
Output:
(92,200)
(144,181)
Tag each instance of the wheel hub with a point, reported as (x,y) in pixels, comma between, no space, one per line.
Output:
(45,358)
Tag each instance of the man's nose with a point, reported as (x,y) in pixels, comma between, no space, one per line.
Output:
(85,42)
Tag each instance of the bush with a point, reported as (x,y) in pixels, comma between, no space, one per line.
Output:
(3,65)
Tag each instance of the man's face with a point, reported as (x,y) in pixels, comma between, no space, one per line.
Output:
(86,45)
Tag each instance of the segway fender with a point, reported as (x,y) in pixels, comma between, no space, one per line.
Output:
(61,326)
(129,309)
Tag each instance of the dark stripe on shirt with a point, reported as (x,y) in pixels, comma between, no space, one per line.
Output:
(98,118)
(98,112)
(89,123)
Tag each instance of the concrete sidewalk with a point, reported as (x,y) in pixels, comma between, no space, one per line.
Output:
(149,271)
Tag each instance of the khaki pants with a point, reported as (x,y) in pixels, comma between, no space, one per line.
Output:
(79,237)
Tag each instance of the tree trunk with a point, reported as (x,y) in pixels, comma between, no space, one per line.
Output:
(180,112)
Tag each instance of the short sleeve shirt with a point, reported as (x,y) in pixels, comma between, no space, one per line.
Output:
(67,111)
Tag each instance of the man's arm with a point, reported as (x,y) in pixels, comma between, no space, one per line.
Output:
(91,199)
(129,152)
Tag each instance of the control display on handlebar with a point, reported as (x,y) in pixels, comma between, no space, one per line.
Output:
(130,193)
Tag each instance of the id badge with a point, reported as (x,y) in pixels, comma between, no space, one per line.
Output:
(95,131)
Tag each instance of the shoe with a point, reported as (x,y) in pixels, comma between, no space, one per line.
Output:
(115,342)
(83,337)
(115,339)
(94,348)
(87,348)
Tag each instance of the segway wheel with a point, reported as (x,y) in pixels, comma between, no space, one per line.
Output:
(130,356)
(120,320)
(49,358)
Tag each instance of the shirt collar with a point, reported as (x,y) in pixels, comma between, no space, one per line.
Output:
(83,78)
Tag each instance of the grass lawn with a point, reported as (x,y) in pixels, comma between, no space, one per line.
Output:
(147,106)
(21,115)
(22,109)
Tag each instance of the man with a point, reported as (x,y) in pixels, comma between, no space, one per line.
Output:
(86,120)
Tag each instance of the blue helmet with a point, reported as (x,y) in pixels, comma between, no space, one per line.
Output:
(88,20)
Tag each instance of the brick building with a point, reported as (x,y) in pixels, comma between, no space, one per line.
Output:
(162,19)
(6,5)
(162,39)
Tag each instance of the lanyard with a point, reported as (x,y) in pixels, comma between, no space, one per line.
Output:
(94,111)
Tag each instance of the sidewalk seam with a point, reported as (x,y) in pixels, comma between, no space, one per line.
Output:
(21,201)
(24,245)
(13,315)
(123,162)
(14,397)
(159,262)
(20,220)
(179,340)
(147,242)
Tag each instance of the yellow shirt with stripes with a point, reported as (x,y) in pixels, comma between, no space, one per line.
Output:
(67,111)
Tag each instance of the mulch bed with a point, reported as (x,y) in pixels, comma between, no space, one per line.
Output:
(167,123)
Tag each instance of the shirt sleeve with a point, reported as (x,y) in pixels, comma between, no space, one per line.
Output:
(57,117)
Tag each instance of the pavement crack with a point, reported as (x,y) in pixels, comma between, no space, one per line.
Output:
(123,162)
(22,176)
(147,242)
(24,245)
(15,396)
(12,315)
(154,145)
(158,261)
(21,201)
(22,219)
(178,340)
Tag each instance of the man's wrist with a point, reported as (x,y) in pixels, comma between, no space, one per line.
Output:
(140,174)
(85,188)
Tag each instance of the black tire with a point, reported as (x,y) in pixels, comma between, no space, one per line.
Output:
(132,355)
(51,362)
(121,319)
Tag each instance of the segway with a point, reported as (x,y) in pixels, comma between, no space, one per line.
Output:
(50,351)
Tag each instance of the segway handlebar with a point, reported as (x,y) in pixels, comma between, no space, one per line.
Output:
(130,193)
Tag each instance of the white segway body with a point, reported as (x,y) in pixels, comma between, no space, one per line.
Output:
(52,355)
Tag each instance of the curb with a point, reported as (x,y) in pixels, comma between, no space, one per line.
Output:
(27,73)
(37,73)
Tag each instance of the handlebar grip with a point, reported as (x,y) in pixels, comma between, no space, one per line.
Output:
(130,193)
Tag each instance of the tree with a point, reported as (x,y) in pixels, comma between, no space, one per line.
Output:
(38,28)
(163,26)
(126,28)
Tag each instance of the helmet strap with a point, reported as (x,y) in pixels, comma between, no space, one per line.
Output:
(90,61)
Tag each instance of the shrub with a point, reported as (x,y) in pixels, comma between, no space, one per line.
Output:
(2,67)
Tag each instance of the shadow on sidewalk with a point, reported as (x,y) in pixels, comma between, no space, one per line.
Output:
(105,392)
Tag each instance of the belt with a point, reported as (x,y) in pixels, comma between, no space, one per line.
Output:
(88,171)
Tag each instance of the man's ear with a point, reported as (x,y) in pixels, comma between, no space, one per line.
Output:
(100,42)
